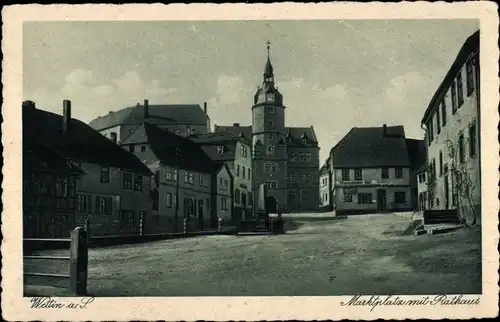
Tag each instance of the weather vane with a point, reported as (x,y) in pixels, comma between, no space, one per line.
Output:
(268,46)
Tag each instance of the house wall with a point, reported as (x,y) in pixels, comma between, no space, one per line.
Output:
(44,214)
(422,190)
(324,190)
(242,183)
(223,198)
(306,192)
(194,201)
(445,141)
(112,222)
(371,182)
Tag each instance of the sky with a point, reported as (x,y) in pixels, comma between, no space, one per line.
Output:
(333,74)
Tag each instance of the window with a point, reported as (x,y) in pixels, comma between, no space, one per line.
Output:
(191,178)
(237,196)
(244,151)
(104,174)
(461,150)
(271,184)
(188,131)
(201,180)
(270,124)
(453,97)
(243,172)
(84,204)
(291,194)
(302,157)
(270,137)
(364,198)
(400,197)
(423,177)
(460,89)
(169,200)
(358,174)
(237,170)
(127,181)
(223,203)
(248,173)
(292,177)
(472,139)
(438,121)
(470,78)
(270,110)
(103,205)
(131,148)
(305,195)
(220,149)
(270,150)
(345,175)
(443,111)
(292,156)
(223,184)
(385,173)
(399,172)
(308,177)
(127,217)
(143,148)
(440,163)
(302,177)
(171,174)
(347,195)
(250,200)
(177,132)
(138,183)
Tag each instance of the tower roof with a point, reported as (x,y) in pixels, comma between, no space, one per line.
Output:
(268,70)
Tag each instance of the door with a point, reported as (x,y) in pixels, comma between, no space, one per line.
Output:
(200,213)
(271,205)
(446,193)
(243,205)
(381,201)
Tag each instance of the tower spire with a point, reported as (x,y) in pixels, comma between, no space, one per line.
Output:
(268,70)
(268,43)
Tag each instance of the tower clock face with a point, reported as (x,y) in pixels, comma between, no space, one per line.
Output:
(270,96)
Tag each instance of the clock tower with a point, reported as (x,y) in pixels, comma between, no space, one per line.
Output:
(269,140)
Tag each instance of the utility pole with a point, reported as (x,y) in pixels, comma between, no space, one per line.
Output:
(178,161)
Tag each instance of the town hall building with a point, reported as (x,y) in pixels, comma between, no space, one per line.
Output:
(284,159)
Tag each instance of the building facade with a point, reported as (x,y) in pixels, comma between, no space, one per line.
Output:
(284,159)
(186,184)
(236,153)
(113,190)
(452,123)
(371,171)
(181,119)
(325,181)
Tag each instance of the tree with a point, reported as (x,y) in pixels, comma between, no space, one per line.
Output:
(462,184)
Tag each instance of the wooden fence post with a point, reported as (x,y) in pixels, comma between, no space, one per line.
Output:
(79,261)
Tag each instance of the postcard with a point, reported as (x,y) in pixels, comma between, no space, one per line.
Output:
(223,162)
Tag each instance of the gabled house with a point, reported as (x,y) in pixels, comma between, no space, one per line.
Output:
(235,152)
(452,125)
(417,153)
(113,192)
(187,184)
(325,183)
(371,171)
(181,119)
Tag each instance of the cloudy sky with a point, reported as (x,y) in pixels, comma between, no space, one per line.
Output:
(333,75)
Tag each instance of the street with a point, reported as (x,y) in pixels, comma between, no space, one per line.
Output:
(319,256)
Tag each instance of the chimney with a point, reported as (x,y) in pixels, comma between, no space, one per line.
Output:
(66,116)
(205,107)
(146,108)
(384,133)
(236,124)
(28,104)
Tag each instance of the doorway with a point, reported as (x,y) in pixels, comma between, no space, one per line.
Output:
(446,193)
(200,213)
(243,205)
(271,205)
(381,200)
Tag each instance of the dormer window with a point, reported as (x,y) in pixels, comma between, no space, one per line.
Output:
(220,149)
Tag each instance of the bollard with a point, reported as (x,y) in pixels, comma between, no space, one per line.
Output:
(219,225)
(79,261)
(185,226)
